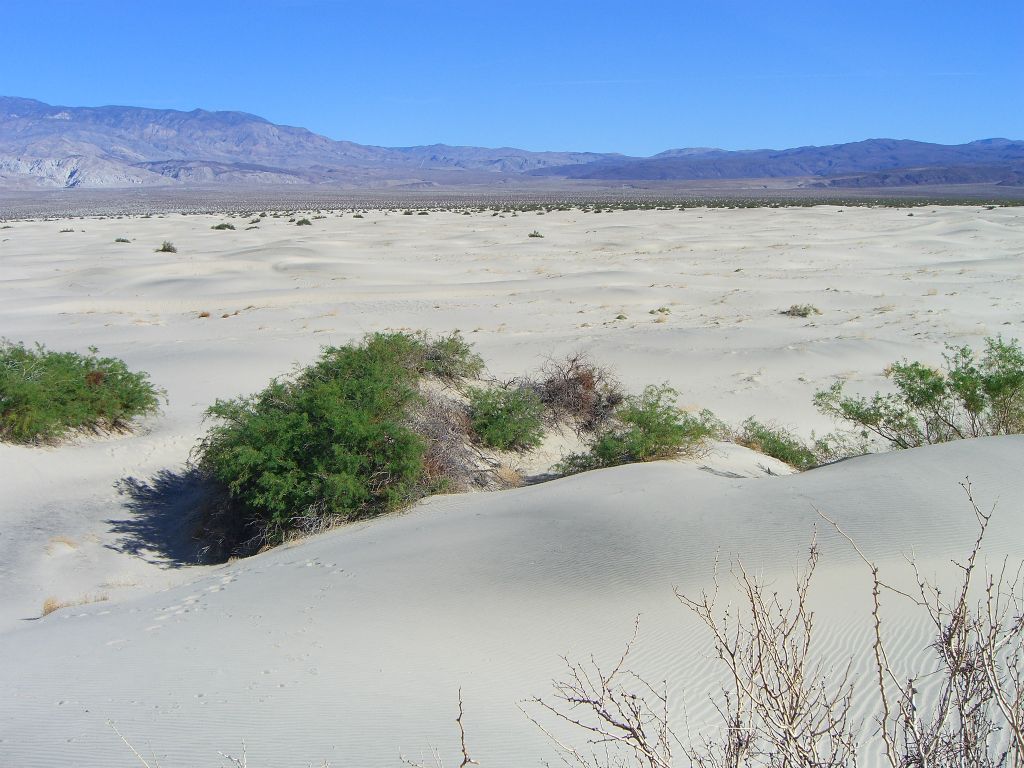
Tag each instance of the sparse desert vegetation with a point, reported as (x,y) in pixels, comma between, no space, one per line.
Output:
(166,247)
(52,604)
(801,310)
(645,427)
(47,395)
(971,395)
(545,568)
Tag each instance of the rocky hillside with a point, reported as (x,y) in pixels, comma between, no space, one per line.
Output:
(54,146)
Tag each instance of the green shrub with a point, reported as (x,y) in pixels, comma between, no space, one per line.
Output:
(645,428)
(303,223)
(224,225)
(801,310)
(167,247)
(334,441)
(451,357)
(535,233)
(329,442)
(507,419)
(778,443)
(121,240)
(969,396)
(46,395)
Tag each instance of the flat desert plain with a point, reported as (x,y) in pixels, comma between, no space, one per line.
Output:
(351,647)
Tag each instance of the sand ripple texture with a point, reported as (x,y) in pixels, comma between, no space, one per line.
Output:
(351,646)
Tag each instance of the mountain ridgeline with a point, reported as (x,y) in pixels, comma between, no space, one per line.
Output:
(44,146)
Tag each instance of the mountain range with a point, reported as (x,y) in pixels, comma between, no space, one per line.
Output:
(56,146)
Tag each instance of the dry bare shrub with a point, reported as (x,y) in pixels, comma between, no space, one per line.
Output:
(449,462)
(968,711)
(438,762)
(625,718)
(52,604)
(780,707)
(578,391)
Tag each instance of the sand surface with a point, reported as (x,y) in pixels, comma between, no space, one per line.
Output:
(352,645)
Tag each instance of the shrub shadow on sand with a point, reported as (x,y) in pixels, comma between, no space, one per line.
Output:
(165,511)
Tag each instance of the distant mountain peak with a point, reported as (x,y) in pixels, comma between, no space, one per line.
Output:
(47,145)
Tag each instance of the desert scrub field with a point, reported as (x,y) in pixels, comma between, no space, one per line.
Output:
(373,426)
(47,395)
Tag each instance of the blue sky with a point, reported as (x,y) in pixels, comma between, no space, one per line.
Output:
(634,77)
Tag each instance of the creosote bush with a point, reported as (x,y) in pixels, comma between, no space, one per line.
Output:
(303,223)
(778,443)
(223,225)
(334,441)
(450,357)
(46,395)
(507,419)
(970,396)
(646,427)
(166,247)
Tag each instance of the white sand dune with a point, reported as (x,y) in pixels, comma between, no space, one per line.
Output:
(352,645)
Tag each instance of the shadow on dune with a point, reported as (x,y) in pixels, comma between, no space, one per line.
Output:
(164,515)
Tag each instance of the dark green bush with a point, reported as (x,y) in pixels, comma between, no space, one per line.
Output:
(778,443)
(167,247)
(645,428)
(46,395)
(451,357)
(507,419)
(332,442)
(970,396)
(303,223)
(224,225)
(121,240)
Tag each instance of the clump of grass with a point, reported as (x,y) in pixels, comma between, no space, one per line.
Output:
(46,395)
(303,223)
(357,216)
(52,604)
(646,427)
(801,310)
(167,247)
(223,225)
(64,231)
(507,419)
(535,233)
(121,240)
(778,443)
(969,396)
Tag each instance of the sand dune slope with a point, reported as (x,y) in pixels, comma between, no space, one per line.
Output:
(351,646)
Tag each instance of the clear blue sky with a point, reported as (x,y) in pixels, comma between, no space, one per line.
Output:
(635,77)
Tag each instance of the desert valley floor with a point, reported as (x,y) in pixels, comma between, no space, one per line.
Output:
(351,647)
